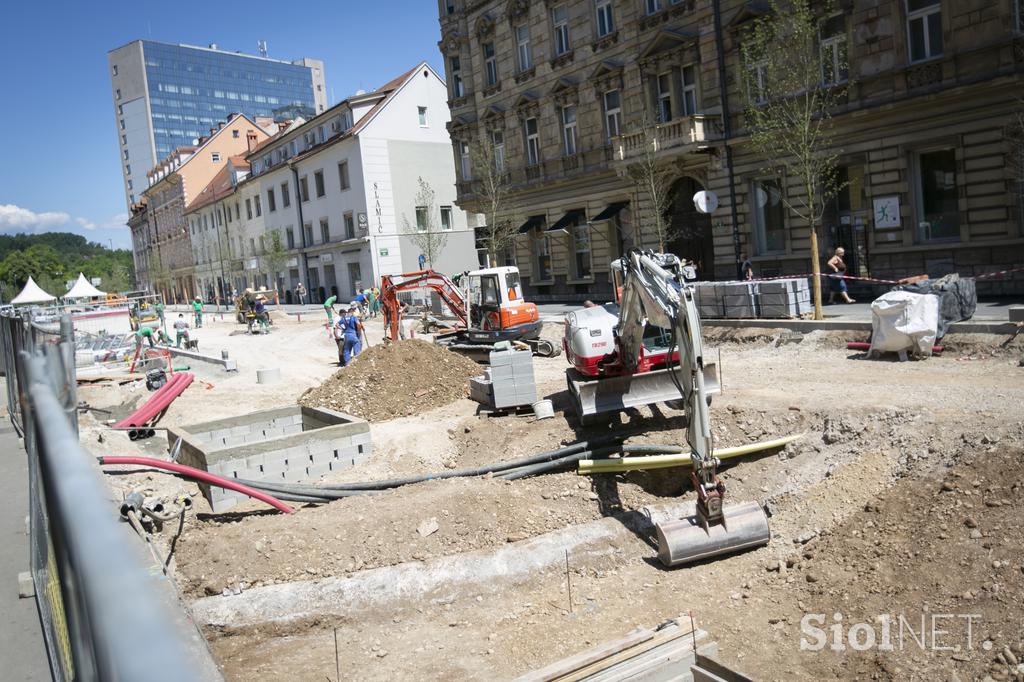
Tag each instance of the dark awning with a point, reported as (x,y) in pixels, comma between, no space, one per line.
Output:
(570,218)
(532,222)
(610,211)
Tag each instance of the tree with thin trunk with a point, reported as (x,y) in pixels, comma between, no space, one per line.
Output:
(425,233)
(791,92)
(492,191)
(652,177)
(274,259)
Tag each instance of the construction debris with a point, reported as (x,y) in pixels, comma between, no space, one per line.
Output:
(393,380)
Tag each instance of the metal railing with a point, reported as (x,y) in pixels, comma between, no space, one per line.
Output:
(100,615)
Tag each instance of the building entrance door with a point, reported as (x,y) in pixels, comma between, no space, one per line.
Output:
(355,278)
(690,230)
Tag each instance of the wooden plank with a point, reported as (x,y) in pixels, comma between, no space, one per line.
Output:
(585,658)
(661,637)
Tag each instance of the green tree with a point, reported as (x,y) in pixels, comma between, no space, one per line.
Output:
(652,177)
(788,115)
(425,233)
(275,257)
(492,190)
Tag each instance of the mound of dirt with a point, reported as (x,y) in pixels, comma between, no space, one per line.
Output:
(395,380)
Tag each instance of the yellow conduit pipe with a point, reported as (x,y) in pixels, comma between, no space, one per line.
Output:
(620,464)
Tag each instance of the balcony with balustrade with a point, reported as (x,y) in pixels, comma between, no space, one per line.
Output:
(687,134)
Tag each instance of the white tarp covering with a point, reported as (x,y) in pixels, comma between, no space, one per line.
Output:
(32,293)
(904,321)
(83,288)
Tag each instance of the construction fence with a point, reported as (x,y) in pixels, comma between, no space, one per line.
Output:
(100,617)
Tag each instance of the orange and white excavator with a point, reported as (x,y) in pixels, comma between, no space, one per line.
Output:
(488,305)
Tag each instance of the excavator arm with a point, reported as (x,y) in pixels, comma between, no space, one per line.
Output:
(654,292)
(392,285)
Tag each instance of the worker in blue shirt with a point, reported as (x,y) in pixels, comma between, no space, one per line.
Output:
(348,332)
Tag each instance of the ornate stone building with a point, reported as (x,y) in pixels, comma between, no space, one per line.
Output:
(567,92)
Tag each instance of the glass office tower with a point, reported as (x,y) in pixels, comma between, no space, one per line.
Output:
(167,96)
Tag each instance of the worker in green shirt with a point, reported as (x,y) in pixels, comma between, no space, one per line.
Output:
(197,308)
(144,333)
(159,307)
(329,309)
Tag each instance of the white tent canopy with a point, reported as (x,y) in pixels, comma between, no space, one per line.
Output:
(32,293)
(83,288)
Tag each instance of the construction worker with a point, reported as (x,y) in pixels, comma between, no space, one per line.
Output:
(180,330)
(162,338)
(300,293)
(262,315)
(159,307)
(197,309)
(144,333)
(329,309)
(351,333)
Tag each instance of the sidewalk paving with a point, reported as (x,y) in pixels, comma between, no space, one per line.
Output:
(22,651)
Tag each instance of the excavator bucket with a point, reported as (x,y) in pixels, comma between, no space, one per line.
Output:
(613,394)
(683,541)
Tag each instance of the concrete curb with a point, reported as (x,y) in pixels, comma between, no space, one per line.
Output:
(969,327)
(225,365)
(486,570)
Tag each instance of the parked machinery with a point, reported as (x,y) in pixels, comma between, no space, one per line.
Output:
(488,305)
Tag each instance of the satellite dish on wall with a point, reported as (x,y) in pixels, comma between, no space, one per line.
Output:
(706,201)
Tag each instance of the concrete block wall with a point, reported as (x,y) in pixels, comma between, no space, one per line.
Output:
(286,445)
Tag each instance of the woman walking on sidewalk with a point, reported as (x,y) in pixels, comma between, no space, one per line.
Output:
(837,282)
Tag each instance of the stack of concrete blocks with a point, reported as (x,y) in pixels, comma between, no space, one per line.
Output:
(785,298)
(739,299)
(508,382)
(284,445)
(708,296)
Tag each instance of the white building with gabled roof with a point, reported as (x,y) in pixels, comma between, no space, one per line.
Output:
(340,191)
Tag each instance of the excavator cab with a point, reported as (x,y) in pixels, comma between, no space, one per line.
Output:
(496,302)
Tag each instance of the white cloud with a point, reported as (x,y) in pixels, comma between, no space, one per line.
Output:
(18,218)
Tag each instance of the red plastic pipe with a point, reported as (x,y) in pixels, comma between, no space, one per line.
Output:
(200,475)
(860,345)
(158,402)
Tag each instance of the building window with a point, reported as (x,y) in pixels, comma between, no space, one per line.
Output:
(652,6)
(422,218)
(238,211)
(490,65)
(256,205)
(664,92)
(581,250)
(569,130)
(769,216)
(128,169)
(248,208)
(350,227)
(465,164)
(271,200)
(523,56)
(1018,12)
(343,176)
(498,142)
(303,189)
(758,83)
(289,236)
(125,154)
(286,197)
(833,50)
(118,93)
(307,234)
(938,211)
(215,157)
(605,20)
(446,218)
(455,75)
(542,258)
(325,230)
(318,182)
(121,123)
(532,142)
(560,22)
(689,74)
(924,26)
(113,69)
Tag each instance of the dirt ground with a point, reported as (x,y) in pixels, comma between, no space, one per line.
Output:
(903,498)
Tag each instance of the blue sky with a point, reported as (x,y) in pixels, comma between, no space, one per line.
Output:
(59,169)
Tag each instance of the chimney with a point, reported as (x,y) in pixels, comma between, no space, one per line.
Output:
(202,140)
(213,131)
(220,125)
(281,125)
(250,140)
